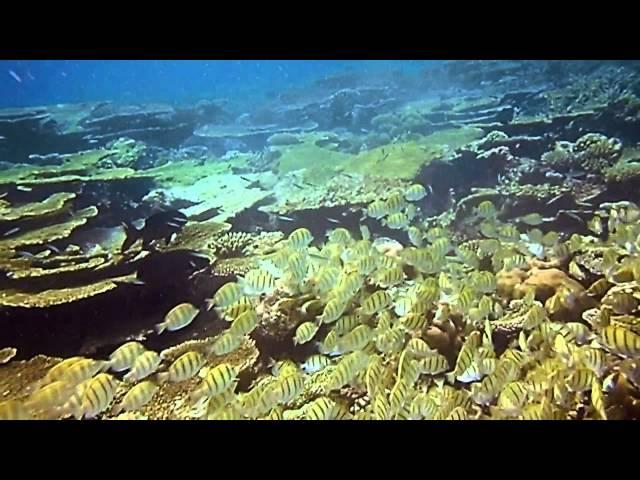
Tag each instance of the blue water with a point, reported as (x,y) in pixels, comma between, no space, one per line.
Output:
(44,82)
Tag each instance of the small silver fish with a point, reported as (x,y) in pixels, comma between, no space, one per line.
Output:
(11,231)
(15,76)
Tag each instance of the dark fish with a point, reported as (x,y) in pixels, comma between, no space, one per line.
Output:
(252,183)
(157,226)
(170,267)
(384,157)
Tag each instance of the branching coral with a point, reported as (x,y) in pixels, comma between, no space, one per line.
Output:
(125,152)
(597,152)
(231,244)
(592,152)
(560,157)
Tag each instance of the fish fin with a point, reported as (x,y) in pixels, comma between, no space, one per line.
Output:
(132,234)
(450,378)
(159,328)
(209,303)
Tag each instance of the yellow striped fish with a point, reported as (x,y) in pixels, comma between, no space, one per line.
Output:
(59,369)
(289,387)
(593,359)
(183,368)
(300,238)
(225,343)
(144,365)
(324,280)
(408,368)
(395,203)
(356,339)
(415,236)
(339,235)
(581,380)
(512,398)
(375,302)
(234,310)
(440,247)
(391,340)
(487,390)
(484,282)
(178,317)
(377,209)
(486,209)
(50,398)
(381,407)
(389,277)
(14,410)
(458,413)
(597,399)
(321,408)
(619,341)
(123,357)
(433,364)
(346,323)
(332,310)
(329,343)
(137,397)
(97,396)
(488,230)
(419,347)
(346,370)
(257,282)
(468,257)
(398,396)
(226,295)
(396,221)
(217,381)
(305,332)
(82,370)
(415,192)
(366,265)
(244,324)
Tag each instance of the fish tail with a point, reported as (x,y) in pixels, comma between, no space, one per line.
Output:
(162,377)
(132,235)
(159,328)
(195,398)
(209,303)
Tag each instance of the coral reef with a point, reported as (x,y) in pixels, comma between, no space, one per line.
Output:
(243,244)
(504,254)
(592,152)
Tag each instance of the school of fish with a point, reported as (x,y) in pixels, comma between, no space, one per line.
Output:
(365,324)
